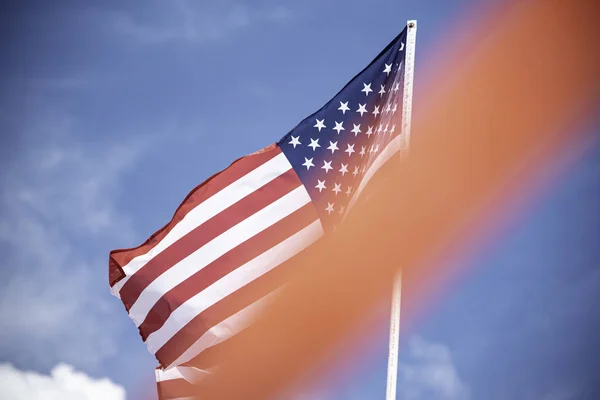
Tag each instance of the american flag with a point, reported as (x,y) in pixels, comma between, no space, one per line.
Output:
(198,281)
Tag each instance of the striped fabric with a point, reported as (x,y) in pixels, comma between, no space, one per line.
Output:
(198,281)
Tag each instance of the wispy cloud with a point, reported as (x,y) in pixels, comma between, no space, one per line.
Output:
(63,383)
(430,373)
(197,22)
(57,211)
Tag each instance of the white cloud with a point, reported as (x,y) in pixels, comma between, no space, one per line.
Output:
(196,22)
(63,383)
(430,374)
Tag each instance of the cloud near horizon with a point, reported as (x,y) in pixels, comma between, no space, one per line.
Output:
(63,383)
(430,373)
(426,371)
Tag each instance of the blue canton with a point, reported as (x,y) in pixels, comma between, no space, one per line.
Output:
(334,149)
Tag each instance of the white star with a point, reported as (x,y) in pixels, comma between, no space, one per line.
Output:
(341,209)
(356,130)
(295,141)
(376,111)
(379,129)
(395,108)
(370,131)
(387,126)
(350,149)
(333,147)
(308,162)
(362,108)
(356,169)
(376,148)
(329,208)
(344,107)
(320,185)
(401,46)
(389,107)
(314,144)
(344,169)
(388,69)
(320,124)
(337,188)
(349,191)
(362,151)
(396,87)
(392,129)
(339,126)
(382,91)
(326,166)
(367,89)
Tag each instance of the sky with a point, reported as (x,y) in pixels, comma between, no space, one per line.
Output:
(111,112)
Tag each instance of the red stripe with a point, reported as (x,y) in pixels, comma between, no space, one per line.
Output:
(175,389)
(222,266)
(119,258)
(222,310)
(206,232)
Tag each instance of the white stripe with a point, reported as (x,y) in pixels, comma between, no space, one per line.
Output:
(392,148)
(190,374)
(226,329)
(395,145)
(214,249)
(233,281)
(168,374)
(220,201)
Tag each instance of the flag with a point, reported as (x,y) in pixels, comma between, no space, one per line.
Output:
(198,281)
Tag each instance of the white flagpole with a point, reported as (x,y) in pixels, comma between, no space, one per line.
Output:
(394,337)
(409,65)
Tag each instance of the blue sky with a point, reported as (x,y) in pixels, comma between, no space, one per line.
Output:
(111,112)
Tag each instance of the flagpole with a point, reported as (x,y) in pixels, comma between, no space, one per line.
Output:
(409,65)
